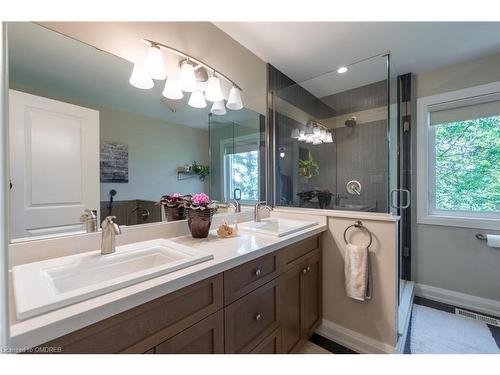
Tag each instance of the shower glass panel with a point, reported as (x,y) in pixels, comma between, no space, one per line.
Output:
(331,140)
(236,158)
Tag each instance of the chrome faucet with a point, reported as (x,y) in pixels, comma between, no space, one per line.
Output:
(109,230)
(257,209)
(236,205)
(90,219)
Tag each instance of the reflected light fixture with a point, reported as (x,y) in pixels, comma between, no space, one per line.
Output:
(140,78)
(295,133)
(195,76)
(154,64)
(218,108)
(342,69)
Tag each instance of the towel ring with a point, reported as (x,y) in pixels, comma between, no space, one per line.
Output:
(358,224)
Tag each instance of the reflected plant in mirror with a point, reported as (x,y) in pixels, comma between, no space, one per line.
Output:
(174,205)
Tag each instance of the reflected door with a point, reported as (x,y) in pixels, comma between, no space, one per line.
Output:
(54,164)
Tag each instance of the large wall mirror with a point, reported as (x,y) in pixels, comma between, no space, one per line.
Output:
(81,137)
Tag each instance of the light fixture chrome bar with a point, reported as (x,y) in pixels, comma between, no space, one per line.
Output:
(191,58)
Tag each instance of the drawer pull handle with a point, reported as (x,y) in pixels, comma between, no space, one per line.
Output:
(304,270)
(258,317)
(308,268)
(258,272)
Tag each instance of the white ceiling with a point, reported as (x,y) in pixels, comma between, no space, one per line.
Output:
(303,50)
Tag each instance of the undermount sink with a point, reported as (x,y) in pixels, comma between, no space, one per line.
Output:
(276,226)
(50,284)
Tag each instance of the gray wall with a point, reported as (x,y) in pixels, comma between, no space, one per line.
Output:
(450,257)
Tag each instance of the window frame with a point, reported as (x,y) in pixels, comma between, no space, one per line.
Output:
(425,158)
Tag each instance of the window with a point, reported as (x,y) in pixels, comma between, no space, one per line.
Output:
(459,158)
(241,169)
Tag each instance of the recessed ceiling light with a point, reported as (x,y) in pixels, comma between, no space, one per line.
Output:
(342,69)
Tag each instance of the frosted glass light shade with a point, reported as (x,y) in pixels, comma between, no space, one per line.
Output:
(140,78)
(214,92)
(308,130)
(188,79)
(172,89)
(234,101)
(317,142)
(295,134)
(154,64)
(197,99)
(218,108)
(317,131)
(322,134)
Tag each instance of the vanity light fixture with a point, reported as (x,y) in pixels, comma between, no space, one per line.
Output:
(342,69)
(195,76)
(140,78)
(295,133)
(172,89)
(218,108)
(214,92)
(154,64)
(197,99)
(188,79)
(234,101)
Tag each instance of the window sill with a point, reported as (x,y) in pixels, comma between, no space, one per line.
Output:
(460,221)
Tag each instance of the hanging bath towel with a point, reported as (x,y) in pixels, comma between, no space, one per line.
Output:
(357,272)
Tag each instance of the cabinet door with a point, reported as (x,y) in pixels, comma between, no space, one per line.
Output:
(292,315)
(205,337)
(270,345)
(311,295)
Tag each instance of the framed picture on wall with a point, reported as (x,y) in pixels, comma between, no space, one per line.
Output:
(114,162)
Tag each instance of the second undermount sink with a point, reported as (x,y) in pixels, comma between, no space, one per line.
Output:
(43,286)
(276,226)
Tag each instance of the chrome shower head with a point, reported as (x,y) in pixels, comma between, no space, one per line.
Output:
(351,122)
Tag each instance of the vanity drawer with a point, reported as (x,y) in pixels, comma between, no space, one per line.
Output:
(205,337)
(145,326)
(241,280)
(251,318)
(294,252)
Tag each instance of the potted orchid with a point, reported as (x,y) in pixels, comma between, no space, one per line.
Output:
(174,205)
(200,210)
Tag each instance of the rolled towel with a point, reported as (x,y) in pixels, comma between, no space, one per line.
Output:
(493,240)
(357,272)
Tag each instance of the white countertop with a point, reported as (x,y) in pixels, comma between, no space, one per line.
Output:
(228,253)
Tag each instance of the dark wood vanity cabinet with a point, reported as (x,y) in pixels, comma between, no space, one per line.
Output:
(303,301)
(271,304)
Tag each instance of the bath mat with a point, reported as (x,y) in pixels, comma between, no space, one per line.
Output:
(438,332)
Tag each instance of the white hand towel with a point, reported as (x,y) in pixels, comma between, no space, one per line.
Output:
(357,272)
(493,240)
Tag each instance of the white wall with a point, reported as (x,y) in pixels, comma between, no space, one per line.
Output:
(448,257)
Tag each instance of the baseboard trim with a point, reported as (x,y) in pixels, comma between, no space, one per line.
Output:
(353,340)
(450,297)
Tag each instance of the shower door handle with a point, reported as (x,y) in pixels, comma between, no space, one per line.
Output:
(394,204)
(408,198)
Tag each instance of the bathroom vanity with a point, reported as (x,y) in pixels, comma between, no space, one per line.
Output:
(271,304)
